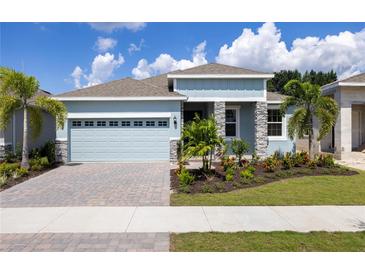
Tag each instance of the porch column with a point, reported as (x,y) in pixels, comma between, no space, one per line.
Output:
(220,117)
(343,128)
(261,129)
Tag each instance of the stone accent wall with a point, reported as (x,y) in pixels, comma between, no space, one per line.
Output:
(261,128)
(61,151)
(173,150)
(220,117)
(3,150)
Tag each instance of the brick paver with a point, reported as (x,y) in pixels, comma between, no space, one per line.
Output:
(102,184)
(89,242)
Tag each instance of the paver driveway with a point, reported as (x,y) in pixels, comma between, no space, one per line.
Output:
(101,184)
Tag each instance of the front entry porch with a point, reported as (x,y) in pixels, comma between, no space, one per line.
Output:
(247,120)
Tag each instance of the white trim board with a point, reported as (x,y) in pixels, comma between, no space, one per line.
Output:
(131,98)
(343,84)
(226,99)
(219,76)
(80,115)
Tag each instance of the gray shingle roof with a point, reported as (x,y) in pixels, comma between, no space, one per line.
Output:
(274,96)
(126,87)
(356,78)
(214,68)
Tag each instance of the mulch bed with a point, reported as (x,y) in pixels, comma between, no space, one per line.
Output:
(12,182)
(215,182)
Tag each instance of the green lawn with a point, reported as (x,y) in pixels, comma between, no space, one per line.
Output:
(319,190)
(269,241)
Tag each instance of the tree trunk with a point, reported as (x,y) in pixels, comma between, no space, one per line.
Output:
(310,145)
(25,160)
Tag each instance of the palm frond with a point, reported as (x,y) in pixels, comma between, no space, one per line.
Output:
(8,104)
(56,108)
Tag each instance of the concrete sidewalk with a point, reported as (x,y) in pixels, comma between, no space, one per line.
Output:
(181,219)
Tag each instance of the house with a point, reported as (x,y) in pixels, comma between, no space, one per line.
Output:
(349,132)
(141,120)
(12,136)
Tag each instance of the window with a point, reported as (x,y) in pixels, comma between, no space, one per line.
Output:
(126,123)
(138,123)
(150,123)
(162,123)
(76,123)
(113,123)
(89,123)
(101,123)
(274,123)
(232,123)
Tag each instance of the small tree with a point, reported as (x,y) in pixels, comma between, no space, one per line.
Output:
(17,91)
(201,138)
(309,104)
(239,148)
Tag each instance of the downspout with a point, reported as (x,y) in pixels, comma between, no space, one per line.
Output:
(14,133)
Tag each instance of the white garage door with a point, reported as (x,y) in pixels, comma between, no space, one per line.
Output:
(119,140)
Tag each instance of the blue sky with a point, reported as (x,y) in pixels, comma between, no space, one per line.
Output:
(52,51)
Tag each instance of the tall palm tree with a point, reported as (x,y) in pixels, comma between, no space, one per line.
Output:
(310,105)
(17,91)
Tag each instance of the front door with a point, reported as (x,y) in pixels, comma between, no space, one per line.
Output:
(356,130)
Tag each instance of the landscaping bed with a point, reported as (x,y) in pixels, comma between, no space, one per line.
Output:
(41,160)
(285,241)
(217,181)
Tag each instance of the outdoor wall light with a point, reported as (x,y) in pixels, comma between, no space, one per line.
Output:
(175,121)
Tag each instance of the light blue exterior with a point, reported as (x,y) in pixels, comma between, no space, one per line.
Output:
(224,88)
(157,141)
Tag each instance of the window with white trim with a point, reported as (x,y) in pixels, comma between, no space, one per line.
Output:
(89,123)
(76,123)
(150,123)
(232,122)
(138,123)
(113,123)
(101,123)
(162,123)
(125,123)
(274,122)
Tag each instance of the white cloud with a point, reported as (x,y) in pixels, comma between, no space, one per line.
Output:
(110,27)
(76,75)
(102,68)
(165,63)
(264,50)
(104,44)
(133,47)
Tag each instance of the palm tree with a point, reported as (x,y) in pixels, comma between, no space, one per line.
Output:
(310,105)
(17,91)
(201,138)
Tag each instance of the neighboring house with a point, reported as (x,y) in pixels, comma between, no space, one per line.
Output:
(349,132)
(12,136)
(142,120)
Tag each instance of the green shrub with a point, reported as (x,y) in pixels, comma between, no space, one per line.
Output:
(312,164)
(258,180)
(49,151)
(37,164)
(246,181)
(278,155)
(3,180)
(229,177)
(185,178)
(325,160)
(271,164)
(288,162)
(251,169)
(7,169)
(228,163)
(246,174)
(207,188)
(239,148)
(221,187)
(254,159)
(21,172)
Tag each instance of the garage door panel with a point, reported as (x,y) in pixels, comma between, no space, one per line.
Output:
(92,143)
